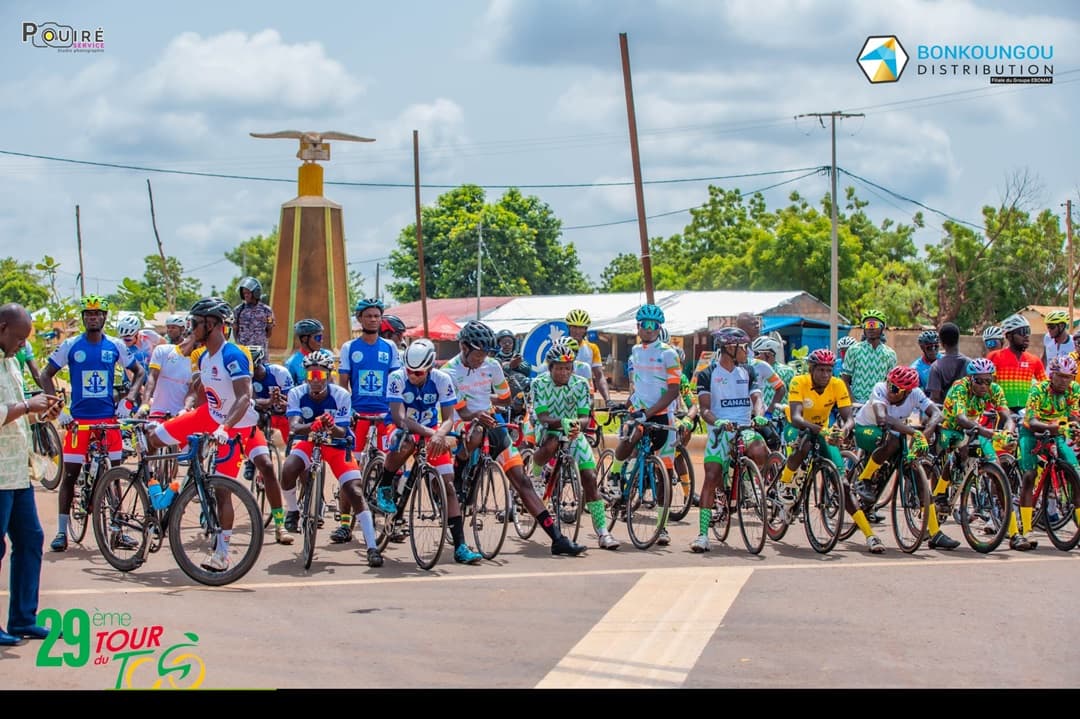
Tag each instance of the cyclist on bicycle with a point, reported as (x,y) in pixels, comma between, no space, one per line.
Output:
(1017,369)
(270,385)
(654,377)
(993,339)
(92,359)
(480,383)
(561,403)
(775,378)
(1057,341)
(320,405)
(1050,406)
(309,334)
(577,322)
(227,412)
(878,426)
(168,388)
(729,393)
(366,363)
(422,400)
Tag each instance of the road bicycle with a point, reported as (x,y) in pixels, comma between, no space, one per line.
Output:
(559,488)
(1057,488)
(95,464)
(253,477)
(420,500)
(682,496)
(484,495)
(819,497)
(311,499)
(745,496)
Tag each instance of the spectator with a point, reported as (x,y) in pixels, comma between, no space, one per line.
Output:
(254,318)
(949,367)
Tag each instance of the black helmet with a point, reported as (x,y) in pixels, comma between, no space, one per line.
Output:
(478,336)
(211,307)
(258,354)
(729,336)
(252,285)
(392,323)
(307,327)
(503,333)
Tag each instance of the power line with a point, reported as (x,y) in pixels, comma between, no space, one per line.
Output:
(944,214)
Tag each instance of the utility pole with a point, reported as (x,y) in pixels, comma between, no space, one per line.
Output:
(78,238)
(376,280)
(1069,244)
(635,158)
(834,281)
(479,266)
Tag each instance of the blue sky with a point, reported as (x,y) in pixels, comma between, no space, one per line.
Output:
(502,93)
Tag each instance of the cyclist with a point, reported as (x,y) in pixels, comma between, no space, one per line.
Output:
(654,380)
(1049,407)
(688,406)
(878,426)
(270,385)
(950,367)
(929,341)
(775,378)
(366,363)
(842,346)
(422,401)
(316,405)
(92,359)
(254,318)
(561,403)
(140,343)
(392,329)
(168,388)
(309,334)
(479,383)
(518,372)
(577,322)
(227,412)
(993,339)
(1017,369)
(729,393)
(868,361)
(1057,340)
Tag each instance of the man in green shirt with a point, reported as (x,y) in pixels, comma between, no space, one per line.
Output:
(867,362)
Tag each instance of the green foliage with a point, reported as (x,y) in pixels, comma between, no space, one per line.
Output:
(22,282)
(147,296)
(521,249)
(255,258)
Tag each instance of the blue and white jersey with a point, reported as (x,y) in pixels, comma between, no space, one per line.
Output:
(337,402)
(368,366)
(276,376)
(217,372)
(92,368)
(422,403)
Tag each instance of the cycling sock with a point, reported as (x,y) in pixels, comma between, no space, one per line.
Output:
(704,520)
(942,486)
(862,522)
(1025,519)
(599,519)
(1012,524)
(787,475)
(457,530)
(278,513)
(684,480)
(932,525)
(63,520)
(545,520)
(387,478)
(367,526)
(346,520)
(289,495)
(869,469)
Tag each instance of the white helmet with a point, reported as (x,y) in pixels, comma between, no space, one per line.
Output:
(845,342)
(993,332)
(765,343)
(129,326)
(420,355)
(1013,323)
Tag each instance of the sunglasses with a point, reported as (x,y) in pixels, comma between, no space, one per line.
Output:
(982,382)
(415,372)
(317,374)
(896,390)
(873,325)
(649,325)
(1023,331)
(991,343)
(932,346)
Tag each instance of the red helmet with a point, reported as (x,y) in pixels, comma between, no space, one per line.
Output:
(903,377)
(822,356)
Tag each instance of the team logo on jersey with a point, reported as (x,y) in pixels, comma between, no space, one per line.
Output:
(257,386)
(369,382)
(384,357)
(79,356)
(409,397)
(95,384)
(357,356)
(214,372)
(736,402)
(213,399)
(429,398)
(108,356)
(233,367)
(307,412)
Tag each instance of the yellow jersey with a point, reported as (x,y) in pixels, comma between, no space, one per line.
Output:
(817,406)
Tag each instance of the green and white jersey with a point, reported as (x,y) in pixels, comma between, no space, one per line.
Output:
(867,366)
(569,401)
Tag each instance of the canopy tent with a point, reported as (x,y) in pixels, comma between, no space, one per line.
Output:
(440,328)
(522,314)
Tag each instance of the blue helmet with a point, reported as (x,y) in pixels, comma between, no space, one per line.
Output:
(650,312)
(367,302)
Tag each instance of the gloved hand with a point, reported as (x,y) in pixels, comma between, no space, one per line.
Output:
(143,411)
(319,423)
(65,417)
(221,435)
(124,409)
(917,445)
(760,421)
(568,426)
(722,424)
(638,415)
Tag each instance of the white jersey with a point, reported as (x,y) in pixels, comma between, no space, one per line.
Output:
(173,381)
(729,391)
(653,368)
(422,402)
(217,373)
(916,400)
(1053,349)
(474,387)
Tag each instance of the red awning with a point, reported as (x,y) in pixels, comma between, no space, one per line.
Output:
(439,328)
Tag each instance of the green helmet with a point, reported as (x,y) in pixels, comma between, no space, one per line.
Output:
(874,315)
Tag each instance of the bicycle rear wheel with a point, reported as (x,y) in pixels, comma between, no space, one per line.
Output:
(310,508)
(47,444)
(524,523)
(910,508)
(1065,489)
(82,502)
(120,513)
(489,509)
(682,497)
(751,506)
(777,524)
(721,515)
(984,507)
(649,501)
(852,468)
(608,488)
(823,506)
(427,518)
(195,530)
(566,499)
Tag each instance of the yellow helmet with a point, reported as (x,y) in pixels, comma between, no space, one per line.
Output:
(1057,317)
(94,302)
(578,318)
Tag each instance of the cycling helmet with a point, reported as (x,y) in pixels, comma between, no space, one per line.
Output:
(650,312)
(903,377)
(212,307)
(392,324)
(765,343)
(319,358)
(579,318)
(1057,317)
(252,285)
(821,356)
(128,326)
(874,315)
(981,365)
(570,342)
(176,321)
(258,354)
(478,336)
(1013,323)
(560,352)
(664,335)
(307,327)
(94,302)
(1063,364)
(363,304)
(929,337)
(993,332)
(729,336)
(503,333)
(420,355)
(845,342)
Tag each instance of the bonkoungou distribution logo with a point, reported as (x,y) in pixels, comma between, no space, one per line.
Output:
(882,58)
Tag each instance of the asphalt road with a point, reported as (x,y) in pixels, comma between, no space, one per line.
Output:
(662,618)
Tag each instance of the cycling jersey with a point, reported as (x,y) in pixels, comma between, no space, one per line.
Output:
(92,368)
(276,376)
(474,387)
(589,353)
(654,367)
(916,399)
(422,402)
(1053,349)
(961,401)
(217,372)
(729,391)
(779,376)
(367,366)
(173,380)
(200,350)
(867,365)
(1016,374)
(569,401)
(817,406)
(1046,406)
(337,402)
(921,366)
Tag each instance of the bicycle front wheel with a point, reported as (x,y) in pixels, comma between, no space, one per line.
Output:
(751,506)
(488,511)
(524,523)
(777,519)
(910,502)
(721,515)
(682,495)
(120,513)
(823,506)
(566,499)
(197,536)
(649,501)
(82,502)
(48,445)
(310,512)
(1062,490)
(608,487)
(984,507)
(851,470)
(427,518)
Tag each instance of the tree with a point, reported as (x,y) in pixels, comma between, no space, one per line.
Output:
(519,238)
(147,296)
(255,258)
(21,282)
